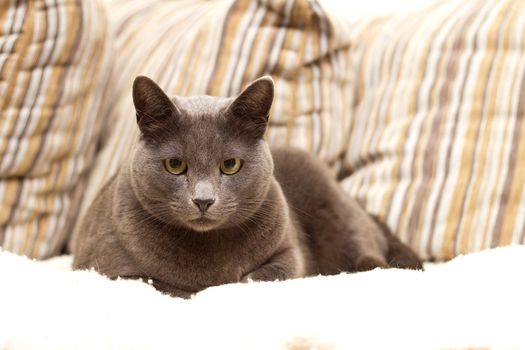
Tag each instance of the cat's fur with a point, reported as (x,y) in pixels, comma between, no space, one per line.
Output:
(281,216)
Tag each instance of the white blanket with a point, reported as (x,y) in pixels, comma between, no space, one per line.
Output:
(475,301)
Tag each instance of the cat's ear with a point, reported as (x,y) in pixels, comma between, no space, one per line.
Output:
(152,105)
(251,108)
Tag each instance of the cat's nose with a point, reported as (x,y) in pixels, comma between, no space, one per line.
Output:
(203,203)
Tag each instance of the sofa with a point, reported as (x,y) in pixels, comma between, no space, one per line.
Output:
(417,107)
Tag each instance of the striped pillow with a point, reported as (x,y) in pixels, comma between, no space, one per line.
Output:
(216,47)
(437,144)
(53,68)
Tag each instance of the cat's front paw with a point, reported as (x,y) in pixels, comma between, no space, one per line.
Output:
(267,274)
(246,278)
(367,263)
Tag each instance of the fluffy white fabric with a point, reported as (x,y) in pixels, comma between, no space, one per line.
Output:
(471,302)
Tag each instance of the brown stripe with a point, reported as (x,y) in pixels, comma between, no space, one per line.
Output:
(71,50)
(292,98)
(460,230)
(275,125)
(31,114)
(447,248)
(428,152)
(182,61)
(12,187)
(511,165)
(404,42)
(6,202)
(244,48)
(363,55)
(379,116)
(316,88)
(264,40)
(280,24)
(522,238)
(10,70)
(16,184)
(78,188)
(295,23)
(222,58)
(412,108)
(4,12)
(61,73)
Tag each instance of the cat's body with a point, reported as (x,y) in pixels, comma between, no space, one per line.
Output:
(279,215)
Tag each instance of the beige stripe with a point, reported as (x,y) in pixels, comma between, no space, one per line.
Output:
(456,167)
(444,191)
(84,79)
(277,134)
(239,20)
(292,47)
(213,47)
(50,127)
(262,45)
(424,157)
(426,41)
(190,61)
(13,94)
(493,173)
(60,53)
(245,52)
(504,207)
(466,231)
(379,141)
(442,234)
(14,188)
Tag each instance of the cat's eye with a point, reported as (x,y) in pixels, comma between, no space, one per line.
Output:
(175,166)
(231,166)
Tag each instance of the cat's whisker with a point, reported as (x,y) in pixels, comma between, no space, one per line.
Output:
(296,209)
(242,228)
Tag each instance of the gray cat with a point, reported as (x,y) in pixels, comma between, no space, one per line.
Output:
(203,202)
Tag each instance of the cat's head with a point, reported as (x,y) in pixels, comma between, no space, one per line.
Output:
(201,162)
